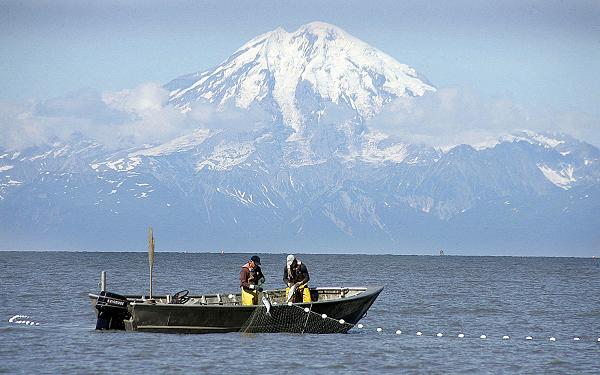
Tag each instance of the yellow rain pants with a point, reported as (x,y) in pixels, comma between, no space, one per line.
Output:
(302,288)
(249,297)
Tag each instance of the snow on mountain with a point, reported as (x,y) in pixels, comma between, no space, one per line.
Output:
(180,144)
(562,178)
(566,162)
(283,72)
(320,82)
(373,150)
(545,140)
(227,155)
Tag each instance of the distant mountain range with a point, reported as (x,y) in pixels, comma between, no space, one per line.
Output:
(310,175)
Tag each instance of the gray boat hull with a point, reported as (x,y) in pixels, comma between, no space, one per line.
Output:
(229,317)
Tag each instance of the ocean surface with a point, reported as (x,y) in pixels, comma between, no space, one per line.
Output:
(492,296)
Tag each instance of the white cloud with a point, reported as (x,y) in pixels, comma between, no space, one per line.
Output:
(145,98)
(453,116)
(229,117)
(125,118)
(142,115)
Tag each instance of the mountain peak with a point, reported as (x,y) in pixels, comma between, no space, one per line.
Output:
(321,28)
(295,75)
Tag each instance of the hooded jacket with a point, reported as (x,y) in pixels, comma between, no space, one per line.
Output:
(297,273)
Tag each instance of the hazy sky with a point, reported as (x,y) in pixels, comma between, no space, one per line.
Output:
(543,55)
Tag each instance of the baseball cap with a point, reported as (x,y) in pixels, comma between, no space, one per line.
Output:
(255,259)
(290,259)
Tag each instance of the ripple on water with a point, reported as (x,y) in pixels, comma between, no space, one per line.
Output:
(495,296)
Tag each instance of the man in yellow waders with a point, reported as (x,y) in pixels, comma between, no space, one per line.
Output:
(296,272)
(251,279)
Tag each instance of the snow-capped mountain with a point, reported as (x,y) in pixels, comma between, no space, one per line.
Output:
(310,176)
(295,75)
(316,80)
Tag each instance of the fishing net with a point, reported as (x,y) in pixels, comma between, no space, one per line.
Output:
(292,319)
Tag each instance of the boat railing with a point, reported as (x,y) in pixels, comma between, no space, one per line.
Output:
(276,296)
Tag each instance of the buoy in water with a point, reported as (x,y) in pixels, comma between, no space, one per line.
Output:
(306,309)
(505,337)
(575,338)
(324,316)
(342,321)
(21,319)
(13,319)
(461,335)
(528,338)
(398,332)
(439,335)
(483,337)
(552,338)
(360,325)
(379,329)
(419,334)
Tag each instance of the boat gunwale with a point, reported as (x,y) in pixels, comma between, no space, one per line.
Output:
(365,293)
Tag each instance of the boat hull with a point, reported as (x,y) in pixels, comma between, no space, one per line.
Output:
(329,316)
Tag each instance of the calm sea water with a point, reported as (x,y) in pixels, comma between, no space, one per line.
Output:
(492,296)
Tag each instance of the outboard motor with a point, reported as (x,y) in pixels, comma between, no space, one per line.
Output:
(112,310)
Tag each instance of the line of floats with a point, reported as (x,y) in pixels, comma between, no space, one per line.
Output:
(28,321)
(462,335)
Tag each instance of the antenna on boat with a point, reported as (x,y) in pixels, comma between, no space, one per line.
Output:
(150,255)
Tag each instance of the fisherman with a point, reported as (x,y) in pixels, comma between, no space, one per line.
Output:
(295,275)
(251,281)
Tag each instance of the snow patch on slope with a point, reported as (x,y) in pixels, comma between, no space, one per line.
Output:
(181,144)
(226,155)
(534,138)
(562,178)
(372,153)
(119,165)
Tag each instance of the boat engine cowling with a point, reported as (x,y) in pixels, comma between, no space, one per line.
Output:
(112,310)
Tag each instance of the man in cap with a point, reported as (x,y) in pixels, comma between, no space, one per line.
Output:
(296,274)
(251,280)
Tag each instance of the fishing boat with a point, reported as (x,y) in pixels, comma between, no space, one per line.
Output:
(327,310)
(332,310)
